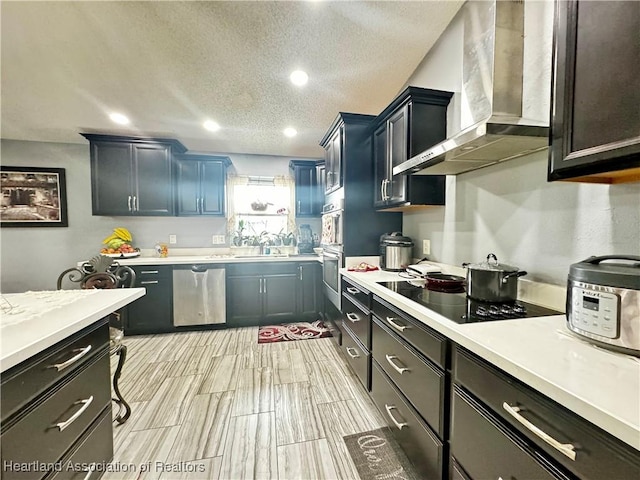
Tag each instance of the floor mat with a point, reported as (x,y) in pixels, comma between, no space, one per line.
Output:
(377,455)
(292,331)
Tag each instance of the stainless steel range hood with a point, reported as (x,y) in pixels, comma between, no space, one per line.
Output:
(490,125)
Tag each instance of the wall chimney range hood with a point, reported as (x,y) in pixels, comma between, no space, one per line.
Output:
(488,123)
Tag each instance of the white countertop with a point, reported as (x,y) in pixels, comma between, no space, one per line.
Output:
(601,386)
(33,321)
(213,259)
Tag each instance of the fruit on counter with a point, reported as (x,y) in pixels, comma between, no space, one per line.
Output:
(124,248)
(118,242)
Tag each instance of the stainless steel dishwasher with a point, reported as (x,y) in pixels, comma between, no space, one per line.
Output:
(198,295)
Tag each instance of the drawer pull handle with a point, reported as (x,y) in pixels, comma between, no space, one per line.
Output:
(149,282)
(353,317)
(398,369)
(352,355)
(396,325)
(149,271)
(566,449)
(352,290)
(400,425)
(88,475)
(85,404)
(83,351)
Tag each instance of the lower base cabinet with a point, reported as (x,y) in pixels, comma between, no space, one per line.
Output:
(427,453)
(357,356)
(152,313)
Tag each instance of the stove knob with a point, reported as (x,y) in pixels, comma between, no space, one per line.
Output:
(482,312)
(494,311)
(517,308)
(506,310)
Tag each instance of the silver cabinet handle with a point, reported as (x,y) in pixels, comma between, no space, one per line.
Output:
(85,404)
(352,355)
(149,282)
(149,272)
(300,270)
(129,203)
(566,449)
(391,321)
(83,351)
(135,203)
(88,475)
(398,369)
(353,317)
(382,190)
(264,288)
(299,206)
(352,290)
(400,425)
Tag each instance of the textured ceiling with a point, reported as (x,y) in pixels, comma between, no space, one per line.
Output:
(171,65)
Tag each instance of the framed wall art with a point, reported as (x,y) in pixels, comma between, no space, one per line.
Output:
(33,197)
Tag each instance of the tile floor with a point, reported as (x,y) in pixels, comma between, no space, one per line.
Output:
(218,405)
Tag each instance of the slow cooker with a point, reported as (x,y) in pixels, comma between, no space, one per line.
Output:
(396,251)
(603,301)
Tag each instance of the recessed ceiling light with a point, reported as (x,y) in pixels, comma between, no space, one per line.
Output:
(119,118)
(299,78)
(290,132)
(211,126)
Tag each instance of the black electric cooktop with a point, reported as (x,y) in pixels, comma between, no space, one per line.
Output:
(456,306)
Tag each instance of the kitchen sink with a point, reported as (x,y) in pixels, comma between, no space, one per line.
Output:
(265,255)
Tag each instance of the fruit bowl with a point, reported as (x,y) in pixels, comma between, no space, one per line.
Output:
(122,255)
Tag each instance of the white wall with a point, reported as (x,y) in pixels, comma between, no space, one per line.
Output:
(32,258)
(511,210)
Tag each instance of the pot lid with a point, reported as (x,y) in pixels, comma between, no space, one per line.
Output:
(395,238)
(618,271)
(491,264)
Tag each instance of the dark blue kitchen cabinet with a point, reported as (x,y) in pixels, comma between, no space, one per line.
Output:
(309,189)
(152,313)
(595,114)
(200,184)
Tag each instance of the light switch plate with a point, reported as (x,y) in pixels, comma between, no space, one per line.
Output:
(173,239)
(426,247)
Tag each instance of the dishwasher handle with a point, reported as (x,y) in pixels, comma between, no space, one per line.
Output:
(198,268)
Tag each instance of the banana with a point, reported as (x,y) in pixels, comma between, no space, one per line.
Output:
(109,239)
(122,233)
(116,243)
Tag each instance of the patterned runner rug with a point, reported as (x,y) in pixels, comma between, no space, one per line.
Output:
(292,331)
(377,455)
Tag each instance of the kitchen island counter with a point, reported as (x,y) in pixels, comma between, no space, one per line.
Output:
(33,321)
(601,386)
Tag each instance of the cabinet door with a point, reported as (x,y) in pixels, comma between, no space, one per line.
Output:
(152,179)
(111,183)
(188,180)
(321,175)
(398,138)
(306,197)
(244,300)
(152,313)
(310,277)
(381,171)
(212,185)
(334,162)
(595,125)
(279,292)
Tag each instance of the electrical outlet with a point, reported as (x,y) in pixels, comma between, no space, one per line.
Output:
(218,239)
(173,239)
(426,247)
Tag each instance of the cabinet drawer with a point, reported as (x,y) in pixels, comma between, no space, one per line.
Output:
(360,294)
(24,382)
(485,449)
(261,268)
(422,383)
(597,453)
(151,273)
(358,320)
(427,341)
(357,357)
(37,436)
(422,447)
(95,446)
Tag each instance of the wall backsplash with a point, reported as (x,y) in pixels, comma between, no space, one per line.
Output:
(32,258)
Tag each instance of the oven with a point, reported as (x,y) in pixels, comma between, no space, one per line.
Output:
(331,242)
(331,264)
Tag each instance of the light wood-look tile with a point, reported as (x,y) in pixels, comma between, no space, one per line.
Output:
(254,393)
(222,375)
(330,382)
(242,340)
(207,468)
(297,416)
(288,366)
(148,378)
(250,449)
(307,460)
(318,350)
(197,360)
(170,403)
(141,449)
(122,430)
(204,428)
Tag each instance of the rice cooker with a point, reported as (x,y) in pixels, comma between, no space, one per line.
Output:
(396,251)
(603,301)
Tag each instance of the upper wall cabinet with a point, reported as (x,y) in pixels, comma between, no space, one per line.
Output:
(595,124)
(413,122)
(333,152)
(309,189)
(132,175)
(200,184)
